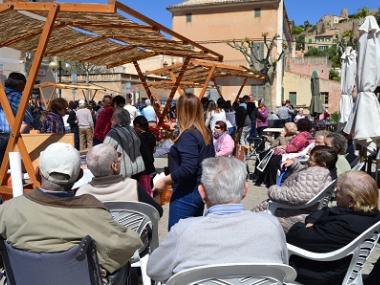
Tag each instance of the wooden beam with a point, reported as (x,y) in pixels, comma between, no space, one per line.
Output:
(207,81)
(129,60)
(241,89)
(107,53)
(15,126)
(51,97)
(174,78)
(93,96)
(174,89)
(110,25)
(68,48)
(160,27)
(146,87)
(66,7)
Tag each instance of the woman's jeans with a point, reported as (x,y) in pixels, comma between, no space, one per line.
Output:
(184,205)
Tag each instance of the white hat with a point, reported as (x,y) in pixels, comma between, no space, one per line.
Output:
(60,158)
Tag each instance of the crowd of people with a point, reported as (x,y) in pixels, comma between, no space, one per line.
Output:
(207,221)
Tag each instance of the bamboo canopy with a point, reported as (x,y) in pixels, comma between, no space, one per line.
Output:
(53,86)
(198,73)
(198,70)
(101,34)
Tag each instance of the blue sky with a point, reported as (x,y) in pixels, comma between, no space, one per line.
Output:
(298,10)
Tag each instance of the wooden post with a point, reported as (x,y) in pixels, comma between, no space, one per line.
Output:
(207,81)
(155,102)
(174,89)
(15,122)
(241,89)
(174,78)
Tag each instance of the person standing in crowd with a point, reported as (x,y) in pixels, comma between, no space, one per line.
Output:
(262,117)
(149,113)
(191,147)
(283,114)
(73,122)
(147,149)
(37,108)
(252,110)
(215,113)
(231,118)
(14,85)
(332,228)
(132,110)
(243,122)
(126,142)
(224,234)
(118,102)
(53,122)
(108,185)
(223,143)
(103,122)
(86,126)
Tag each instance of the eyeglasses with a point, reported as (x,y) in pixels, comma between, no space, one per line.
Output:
(217,127)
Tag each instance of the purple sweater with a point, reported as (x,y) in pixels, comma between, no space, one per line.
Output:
(262,118)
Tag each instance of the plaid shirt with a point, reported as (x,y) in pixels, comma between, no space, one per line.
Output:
(14,98)
(53,123)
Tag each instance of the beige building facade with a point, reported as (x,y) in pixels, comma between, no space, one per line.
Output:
(297,89)
(215,22)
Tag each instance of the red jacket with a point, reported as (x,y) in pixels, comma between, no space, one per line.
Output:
(299,142)
(103,123)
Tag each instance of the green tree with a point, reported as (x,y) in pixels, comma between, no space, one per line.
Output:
(333,75)
(300,42)
(296,30)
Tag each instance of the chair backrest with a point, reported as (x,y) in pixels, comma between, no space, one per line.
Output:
(322,199)
(137,216)
(76,266)
(231,274)
(360,248)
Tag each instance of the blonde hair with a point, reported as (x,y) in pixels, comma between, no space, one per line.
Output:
(190,115)
(362,189)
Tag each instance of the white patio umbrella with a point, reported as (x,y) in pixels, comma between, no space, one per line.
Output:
(347,83)
(364,122)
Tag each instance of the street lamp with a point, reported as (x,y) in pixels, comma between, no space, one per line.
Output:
(56,66)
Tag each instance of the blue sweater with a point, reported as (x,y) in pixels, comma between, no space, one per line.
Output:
(185,158)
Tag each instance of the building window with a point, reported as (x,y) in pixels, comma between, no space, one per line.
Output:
(188,18)
(325,98)
(257,12)
(293,98)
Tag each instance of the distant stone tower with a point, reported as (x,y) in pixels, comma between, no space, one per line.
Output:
(344,13)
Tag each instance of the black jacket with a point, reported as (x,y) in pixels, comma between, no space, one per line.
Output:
(333,228)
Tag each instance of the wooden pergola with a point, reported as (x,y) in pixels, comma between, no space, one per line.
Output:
(200,74)
(91,89)
(102,34)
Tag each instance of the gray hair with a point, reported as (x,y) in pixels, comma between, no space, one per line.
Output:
(122,116)
(322,133)
(223,179)
(338,142)
(100,158)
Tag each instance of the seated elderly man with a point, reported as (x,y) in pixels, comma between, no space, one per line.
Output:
(226,234)
(108,185)
(52,219)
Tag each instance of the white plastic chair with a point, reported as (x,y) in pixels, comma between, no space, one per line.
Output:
(360,248)
(358,166)
(235,273)
(143,219)
(322,199)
